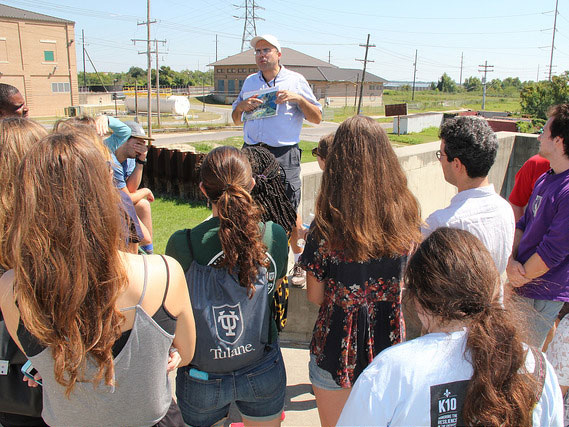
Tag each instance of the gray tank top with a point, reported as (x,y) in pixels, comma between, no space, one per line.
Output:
(141,394)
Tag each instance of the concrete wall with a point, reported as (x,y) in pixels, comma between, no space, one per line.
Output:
(426,181)
(416,122)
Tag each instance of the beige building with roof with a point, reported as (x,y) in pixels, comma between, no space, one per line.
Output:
(37,55)
(331,85)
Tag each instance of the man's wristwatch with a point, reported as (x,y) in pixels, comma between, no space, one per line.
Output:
(140,162)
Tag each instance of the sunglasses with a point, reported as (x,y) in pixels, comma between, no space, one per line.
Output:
(315,152)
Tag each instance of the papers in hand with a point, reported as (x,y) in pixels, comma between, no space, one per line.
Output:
(267,109)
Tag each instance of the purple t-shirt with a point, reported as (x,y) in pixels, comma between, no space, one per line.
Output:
(546,231)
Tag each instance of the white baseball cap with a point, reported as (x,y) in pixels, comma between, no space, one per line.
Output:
(269,38)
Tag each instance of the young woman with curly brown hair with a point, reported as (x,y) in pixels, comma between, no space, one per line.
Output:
(96,322)
(366,223)
(471,368)
(235,240)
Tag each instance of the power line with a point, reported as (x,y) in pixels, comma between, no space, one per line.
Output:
(249,26)
(553,39)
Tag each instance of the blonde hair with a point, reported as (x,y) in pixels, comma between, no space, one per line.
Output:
(86,126)
(67,264)
(17,135)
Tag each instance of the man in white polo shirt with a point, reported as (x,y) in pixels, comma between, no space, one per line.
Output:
(279,133)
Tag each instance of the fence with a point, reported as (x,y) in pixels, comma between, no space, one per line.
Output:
(173,172)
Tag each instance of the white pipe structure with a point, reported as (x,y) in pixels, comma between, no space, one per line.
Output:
(176,105)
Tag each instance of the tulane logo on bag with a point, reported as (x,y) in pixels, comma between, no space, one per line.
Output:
(228,322)
(232,329)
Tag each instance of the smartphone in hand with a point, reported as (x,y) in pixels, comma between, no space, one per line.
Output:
(29,371)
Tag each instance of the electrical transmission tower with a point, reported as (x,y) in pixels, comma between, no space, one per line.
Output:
(249,27)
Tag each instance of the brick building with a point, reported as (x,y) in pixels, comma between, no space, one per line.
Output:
(37,55)
(328,82)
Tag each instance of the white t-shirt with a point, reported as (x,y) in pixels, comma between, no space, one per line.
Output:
(558,355)
(421,382)
(485,214)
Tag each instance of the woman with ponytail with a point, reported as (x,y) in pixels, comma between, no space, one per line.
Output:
(236,241)
(471,368)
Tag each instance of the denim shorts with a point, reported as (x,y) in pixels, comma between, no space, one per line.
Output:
(319,377)
(258,392)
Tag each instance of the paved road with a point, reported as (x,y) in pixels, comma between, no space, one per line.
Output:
(312,133)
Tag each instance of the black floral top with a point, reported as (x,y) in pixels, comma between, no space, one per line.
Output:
(361,312)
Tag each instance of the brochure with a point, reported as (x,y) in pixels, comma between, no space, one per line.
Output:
(267,109)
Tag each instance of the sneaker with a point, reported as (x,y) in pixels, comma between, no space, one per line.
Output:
(298,278)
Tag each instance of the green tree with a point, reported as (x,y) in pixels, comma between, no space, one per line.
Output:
(472,84)
(512,82)
(536,98)
(446,84)
(495,85)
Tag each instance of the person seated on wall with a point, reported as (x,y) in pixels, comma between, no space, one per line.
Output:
(128,162)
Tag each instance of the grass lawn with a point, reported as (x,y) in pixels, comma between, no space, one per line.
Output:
(433,101)
(237,142)
(427,135)
(170,215)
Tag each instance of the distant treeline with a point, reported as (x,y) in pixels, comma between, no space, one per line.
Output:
(167,76)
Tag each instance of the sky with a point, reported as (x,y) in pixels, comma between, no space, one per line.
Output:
(515,36)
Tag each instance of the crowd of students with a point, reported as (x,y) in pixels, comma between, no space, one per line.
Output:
(103,325)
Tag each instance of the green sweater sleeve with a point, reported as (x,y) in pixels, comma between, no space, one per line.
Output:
(177,248)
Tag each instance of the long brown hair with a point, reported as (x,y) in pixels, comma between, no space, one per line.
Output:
(17,136)
(68,269)
(364,206)
(453,277)
(85,125)
(226,178)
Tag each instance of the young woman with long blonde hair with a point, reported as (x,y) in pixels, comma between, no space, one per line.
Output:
(96,322)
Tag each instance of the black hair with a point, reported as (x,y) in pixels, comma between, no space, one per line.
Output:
(269,190)
(472,141)
(6,92)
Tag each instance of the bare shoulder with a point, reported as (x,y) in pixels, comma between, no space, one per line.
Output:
(9,309)
(7,288)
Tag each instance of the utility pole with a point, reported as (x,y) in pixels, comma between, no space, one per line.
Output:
(84,72)
(537,79)
(485,70)
(414,75)
(249,26)
(216,48)
(365,61)
(461,58)
(553,40)
(328,57)
(158,78)
(148,54)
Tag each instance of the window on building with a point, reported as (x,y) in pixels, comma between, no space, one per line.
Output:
(230,86)
(221,85)
(240,84)
(252,70)
(49,56)
(60,87)
(220,70)
(3,50)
